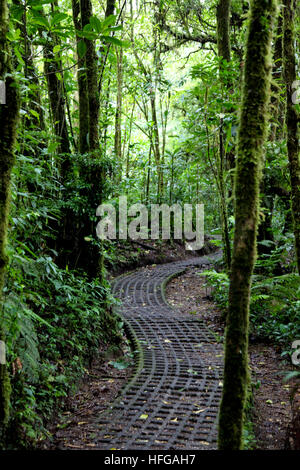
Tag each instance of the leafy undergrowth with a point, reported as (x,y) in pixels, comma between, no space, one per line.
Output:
(122,256)
(56,322)
(274,322)
(268,412)
(274,307)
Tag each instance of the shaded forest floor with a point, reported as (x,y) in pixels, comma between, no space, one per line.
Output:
(103,382)
(272,408)
(131,255)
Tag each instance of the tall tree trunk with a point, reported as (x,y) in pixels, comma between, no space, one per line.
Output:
(292,118)
(223,199)
(33,97)
(91,256)
(118,115)
(265,231)
(9,113)
(156,143)
(251,138)
(53,67)
(277,107)
(82,85)
(129,140)
(57,97)
(110,10)
(223,29)
(91,65)
(224,53)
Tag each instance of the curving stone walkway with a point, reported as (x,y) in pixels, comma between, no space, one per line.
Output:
(172,400)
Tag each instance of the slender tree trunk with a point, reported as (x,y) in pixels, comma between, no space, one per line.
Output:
(292,118)
(156,143)
(129,140)
(82,85)
(110,10)
(223,200)
(223,29)
(252,134)
(57,98)
(91,255)
(9,113)
(277,107)
(104,119)
(118,115)
(92,79)
(56,92)
(33,98)
(148,176)
(265,231)
(224,53)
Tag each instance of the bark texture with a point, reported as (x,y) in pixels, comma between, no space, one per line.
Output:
(82,85)
(91,65)
(292,118)
(252,134)
(223,29)
(8,124)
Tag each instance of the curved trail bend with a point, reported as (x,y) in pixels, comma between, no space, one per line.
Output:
(172,400)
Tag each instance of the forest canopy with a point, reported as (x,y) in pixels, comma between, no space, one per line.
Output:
(169,103)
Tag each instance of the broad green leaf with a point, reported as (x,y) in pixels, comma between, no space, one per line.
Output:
(41,21)
(87,34)
(115,41)
(56,49)
(57,18)
(116,28)
(81,47)
(109,21)
(96,24)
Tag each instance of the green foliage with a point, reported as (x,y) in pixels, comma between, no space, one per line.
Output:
(274,307)
(220,283)
(55,322)
(174,94)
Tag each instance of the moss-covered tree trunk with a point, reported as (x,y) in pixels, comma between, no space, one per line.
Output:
(58,108)
(57,99)
(91,65)
(224,53)
(90,255)
(223,193)
(292,118)
(110,10)
(118,115)
(252,134)
(277,105)
(223,29)
(9,113)
(82,85)
(32,100)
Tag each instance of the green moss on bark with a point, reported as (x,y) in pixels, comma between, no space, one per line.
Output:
(91,65)
(252,134)
(292,118)
(82,85)
(223,29)
(8,125)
